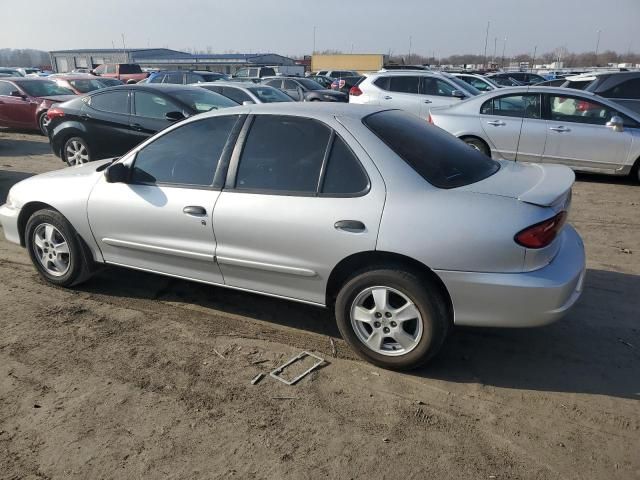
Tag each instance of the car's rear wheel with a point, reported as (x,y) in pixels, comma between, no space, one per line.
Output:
(393,318)
(55,249)
(43,123)
(76,151)
(477,144)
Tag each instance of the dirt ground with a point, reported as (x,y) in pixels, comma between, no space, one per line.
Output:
(133,375)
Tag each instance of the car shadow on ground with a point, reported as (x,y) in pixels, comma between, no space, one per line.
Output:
(600,178)
(595,350)
(8,179)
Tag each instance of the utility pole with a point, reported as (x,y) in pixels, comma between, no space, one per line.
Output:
(124,49)
(409,57)
(533,61)
(495,48)
(314,40)
(597,47)
(486,39)
(504,47)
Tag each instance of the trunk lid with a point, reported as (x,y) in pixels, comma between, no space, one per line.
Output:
(538,184)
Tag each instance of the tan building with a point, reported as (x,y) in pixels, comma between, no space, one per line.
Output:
(360,62)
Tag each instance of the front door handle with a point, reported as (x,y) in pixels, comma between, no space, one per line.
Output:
(194,210)
(136,126)
(560,129)
(85,116)
(497,123)
(428,101)
(387,97)
(349,225)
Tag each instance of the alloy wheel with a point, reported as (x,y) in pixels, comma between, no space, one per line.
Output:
(44,123)
(51,249)
(76,153)
(386,321)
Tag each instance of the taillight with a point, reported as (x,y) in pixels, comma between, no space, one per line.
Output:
(355,91)
(54,113)
(541,234)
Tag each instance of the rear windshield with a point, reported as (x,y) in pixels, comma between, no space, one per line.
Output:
(202,100)
(130,68)
(43,88)
(438,157)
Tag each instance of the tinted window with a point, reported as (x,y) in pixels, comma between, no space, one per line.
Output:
(6,88)
(187,155)
(114,102)
(283,154)
(193,78)
(578,110)
(440,158)
(153,106)
(130,68)
(309,84)
(382,82)
(628,89)
(173,78)
(404,84)
(275,83)
(267,72)
(290,85)
(270,95)
(344,174)
(527,106)
(435,86)
(235,94)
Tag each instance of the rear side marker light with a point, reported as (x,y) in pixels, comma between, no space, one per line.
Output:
(430,119)
(541,234)
(54,113)
(355,91)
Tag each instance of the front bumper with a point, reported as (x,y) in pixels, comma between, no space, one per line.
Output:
(9,221)
(527,299)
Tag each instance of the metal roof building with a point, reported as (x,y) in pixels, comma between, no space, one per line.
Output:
(164,59)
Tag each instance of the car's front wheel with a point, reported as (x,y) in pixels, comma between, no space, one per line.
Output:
(393,318)
(55,249)
(76,151)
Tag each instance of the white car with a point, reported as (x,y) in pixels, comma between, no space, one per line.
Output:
(413,91)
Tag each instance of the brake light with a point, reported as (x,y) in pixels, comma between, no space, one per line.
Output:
(541,234)
(355,91)
(54,113)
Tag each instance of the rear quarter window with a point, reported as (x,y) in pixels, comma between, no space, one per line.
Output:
(438,157)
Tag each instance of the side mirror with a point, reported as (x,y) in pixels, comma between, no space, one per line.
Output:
(174,116)
(16,93)
(117,173)
(248,102)
(616,123)
(458,94)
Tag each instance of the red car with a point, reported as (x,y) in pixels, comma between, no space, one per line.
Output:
(78,83)
(24,102)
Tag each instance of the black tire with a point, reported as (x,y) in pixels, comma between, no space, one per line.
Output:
(635,172)
(421,290)
(477,144)
(78,260)
(42,120)
(70,142)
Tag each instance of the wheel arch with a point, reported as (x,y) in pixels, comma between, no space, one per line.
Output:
(357,261)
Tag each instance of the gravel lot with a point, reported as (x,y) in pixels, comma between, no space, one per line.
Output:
(120,378)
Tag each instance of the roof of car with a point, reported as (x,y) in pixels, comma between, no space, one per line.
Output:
(163,87)
(222,83)
(311,109)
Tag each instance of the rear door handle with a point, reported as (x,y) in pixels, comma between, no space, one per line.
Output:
(560,129)
(387,97)
(428,101)
(136,126)
(349,225)
(194,210)
(497,123)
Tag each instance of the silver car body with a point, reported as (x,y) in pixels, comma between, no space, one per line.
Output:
(286,245)
(417,103)
(585,147)
(247,88)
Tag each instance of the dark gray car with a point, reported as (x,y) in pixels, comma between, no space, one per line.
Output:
(621,87)
(304,89)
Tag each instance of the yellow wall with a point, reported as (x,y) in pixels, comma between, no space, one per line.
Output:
(358,62)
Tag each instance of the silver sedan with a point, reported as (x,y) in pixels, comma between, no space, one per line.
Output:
(396,225)
(548,125)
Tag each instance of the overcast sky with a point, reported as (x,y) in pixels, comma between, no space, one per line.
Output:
(286,26)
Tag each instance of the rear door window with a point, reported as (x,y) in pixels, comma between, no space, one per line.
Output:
(629,89)
(113,102)
(235,94)
(437,156)
(404,84)
(151,105)
(173,78)
(283,154)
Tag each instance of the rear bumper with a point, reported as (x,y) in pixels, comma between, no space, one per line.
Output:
(526,299)
(9,221)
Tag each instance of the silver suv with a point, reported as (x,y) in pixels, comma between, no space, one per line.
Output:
(413,91)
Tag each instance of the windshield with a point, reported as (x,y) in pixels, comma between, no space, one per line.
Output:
(270,95)
(310,84)
(86,85)
(43,88)
(202,100)
(466,87)
(437,156)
